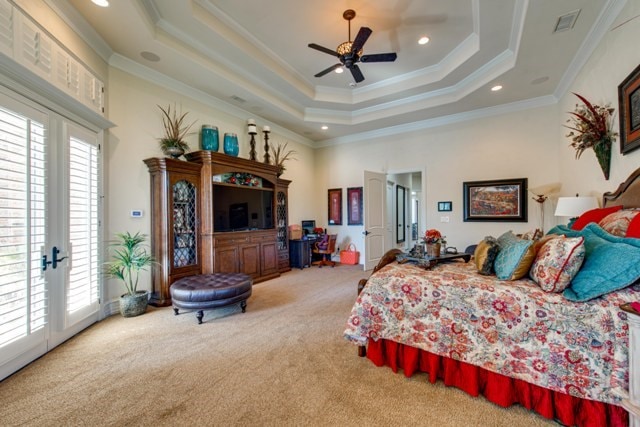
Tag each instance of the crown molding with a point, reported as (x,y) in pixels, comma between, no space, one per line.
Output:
(497,110)
(80,26)
(149,74)
(485,74)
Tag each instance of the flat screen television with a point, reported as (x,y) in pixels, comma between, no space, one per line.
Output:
(242,208)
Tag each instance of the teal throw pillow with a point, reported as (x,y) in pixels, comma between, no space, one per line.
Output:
(611,263)
(514,259)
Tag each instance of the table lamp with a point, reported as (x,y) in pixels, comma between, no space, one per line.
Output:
(573,207)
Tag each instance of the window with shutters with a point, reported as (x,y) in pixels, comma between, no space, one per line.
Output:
(83,281)
(23,299)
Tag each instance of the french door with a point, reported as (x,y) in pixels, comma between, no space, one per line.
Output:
(49,230)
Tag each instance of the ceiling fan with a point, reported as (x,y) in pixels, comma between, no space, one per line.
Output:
(350,52)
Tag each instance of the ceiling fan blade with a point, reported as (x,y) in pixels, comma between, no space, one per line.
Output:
(323,49)
(328,70)
(361,39)
(357,74)
(379,57)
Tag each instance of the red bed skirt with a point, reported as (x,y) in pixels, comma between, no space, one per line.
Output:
(499,389)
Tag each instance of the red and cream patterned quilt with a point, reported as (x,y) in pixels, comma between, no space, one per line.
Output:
(510,327)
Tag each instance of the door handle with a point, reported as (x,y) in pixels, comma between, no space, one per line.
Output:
(54,259)
(366,233)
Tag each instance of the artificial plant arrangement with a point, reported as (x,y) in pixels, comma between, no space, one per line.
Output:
(433,239)
(129,258)
(175,129)
(281,155)
(432,236)
(592,127)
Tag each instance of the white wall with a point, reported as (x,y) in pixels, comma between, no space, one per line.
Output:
(614,59)
(515,145)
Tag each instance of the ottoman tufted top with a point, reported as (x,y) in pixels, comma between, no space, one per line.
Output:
(210,287)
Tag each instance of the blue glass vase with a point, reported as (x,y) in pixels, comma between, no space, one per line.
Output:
(231,144)
(209,138)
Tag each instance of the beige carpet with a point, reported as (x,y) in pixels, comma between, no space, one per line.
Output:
(283,362)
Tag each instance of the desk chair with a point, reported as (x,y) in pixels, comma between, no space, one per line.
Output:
(325,248)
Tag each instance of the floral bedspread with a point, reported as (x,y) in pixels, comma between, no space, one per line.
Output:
(512,328)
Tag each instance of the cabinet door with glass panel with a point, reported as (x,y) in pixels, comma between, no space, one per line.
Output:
(175,227)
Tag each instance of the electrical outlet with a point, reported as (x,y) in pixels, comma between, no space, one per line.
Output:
(444,219)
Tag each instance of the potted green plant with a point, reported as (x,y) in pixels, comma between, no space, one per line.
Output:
(281,155)
(129,258)
(172,143)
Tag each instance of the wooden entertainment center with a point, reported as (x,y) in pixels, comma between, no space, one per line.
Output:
(216,213)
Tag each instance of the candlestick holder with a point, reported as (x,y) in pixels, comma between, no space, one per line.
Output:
(252,131)
(267,158)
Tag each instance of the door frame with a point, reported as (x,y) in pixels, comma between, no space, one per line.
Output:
(55,331)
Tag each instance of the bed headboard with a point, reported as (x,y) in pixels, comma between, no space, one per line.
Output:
(627,194)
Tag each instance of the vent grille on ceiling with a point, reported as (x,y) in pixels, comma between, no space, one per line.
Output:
(566,22)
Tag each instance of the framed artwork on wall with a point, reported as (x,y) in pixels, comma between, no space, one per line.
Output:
(354,206)
(629,106)
(335,206)
(497,200)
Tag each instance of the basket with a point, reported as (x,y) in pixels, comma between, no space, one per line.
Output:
(295,232)
(349,256)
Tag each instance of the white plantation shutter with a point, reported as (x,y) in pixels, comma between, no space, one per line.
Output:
(83,279)
(23,293)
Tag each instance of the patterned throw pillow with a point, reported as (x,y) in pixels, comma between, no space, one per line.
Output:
(557,263)
(514,259)
(618,222)
(485,254)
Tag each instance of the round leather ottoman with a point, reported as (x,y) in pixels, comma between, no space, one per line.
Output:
(207,291)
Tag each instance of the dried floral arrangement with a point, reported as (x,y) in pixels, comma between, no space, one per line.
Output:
(175,130)
(281,155)
(592,127)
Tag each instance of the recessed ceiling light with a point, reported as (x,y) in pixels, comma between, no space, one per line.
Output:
(423,40)
(324,127)
(340,70)
(496,88)
(101,3)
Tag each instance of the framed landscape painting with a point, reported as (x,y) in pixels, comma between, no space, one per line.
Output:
(497,200)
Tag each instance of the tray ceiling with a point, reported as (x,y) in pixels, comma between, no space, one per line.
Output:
(254,55)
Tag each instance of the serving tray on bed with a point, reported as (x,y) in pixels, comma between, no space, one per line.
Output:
(428,262)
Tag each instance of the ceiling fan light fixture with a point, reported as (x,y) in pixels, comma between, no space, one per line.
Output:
(345,48)
(423,40)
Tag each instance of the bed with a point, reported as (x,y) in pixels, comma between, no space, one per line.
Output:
(510,341)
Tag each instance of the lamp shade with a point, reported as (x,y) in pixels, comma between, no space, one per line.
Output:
(575,206)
